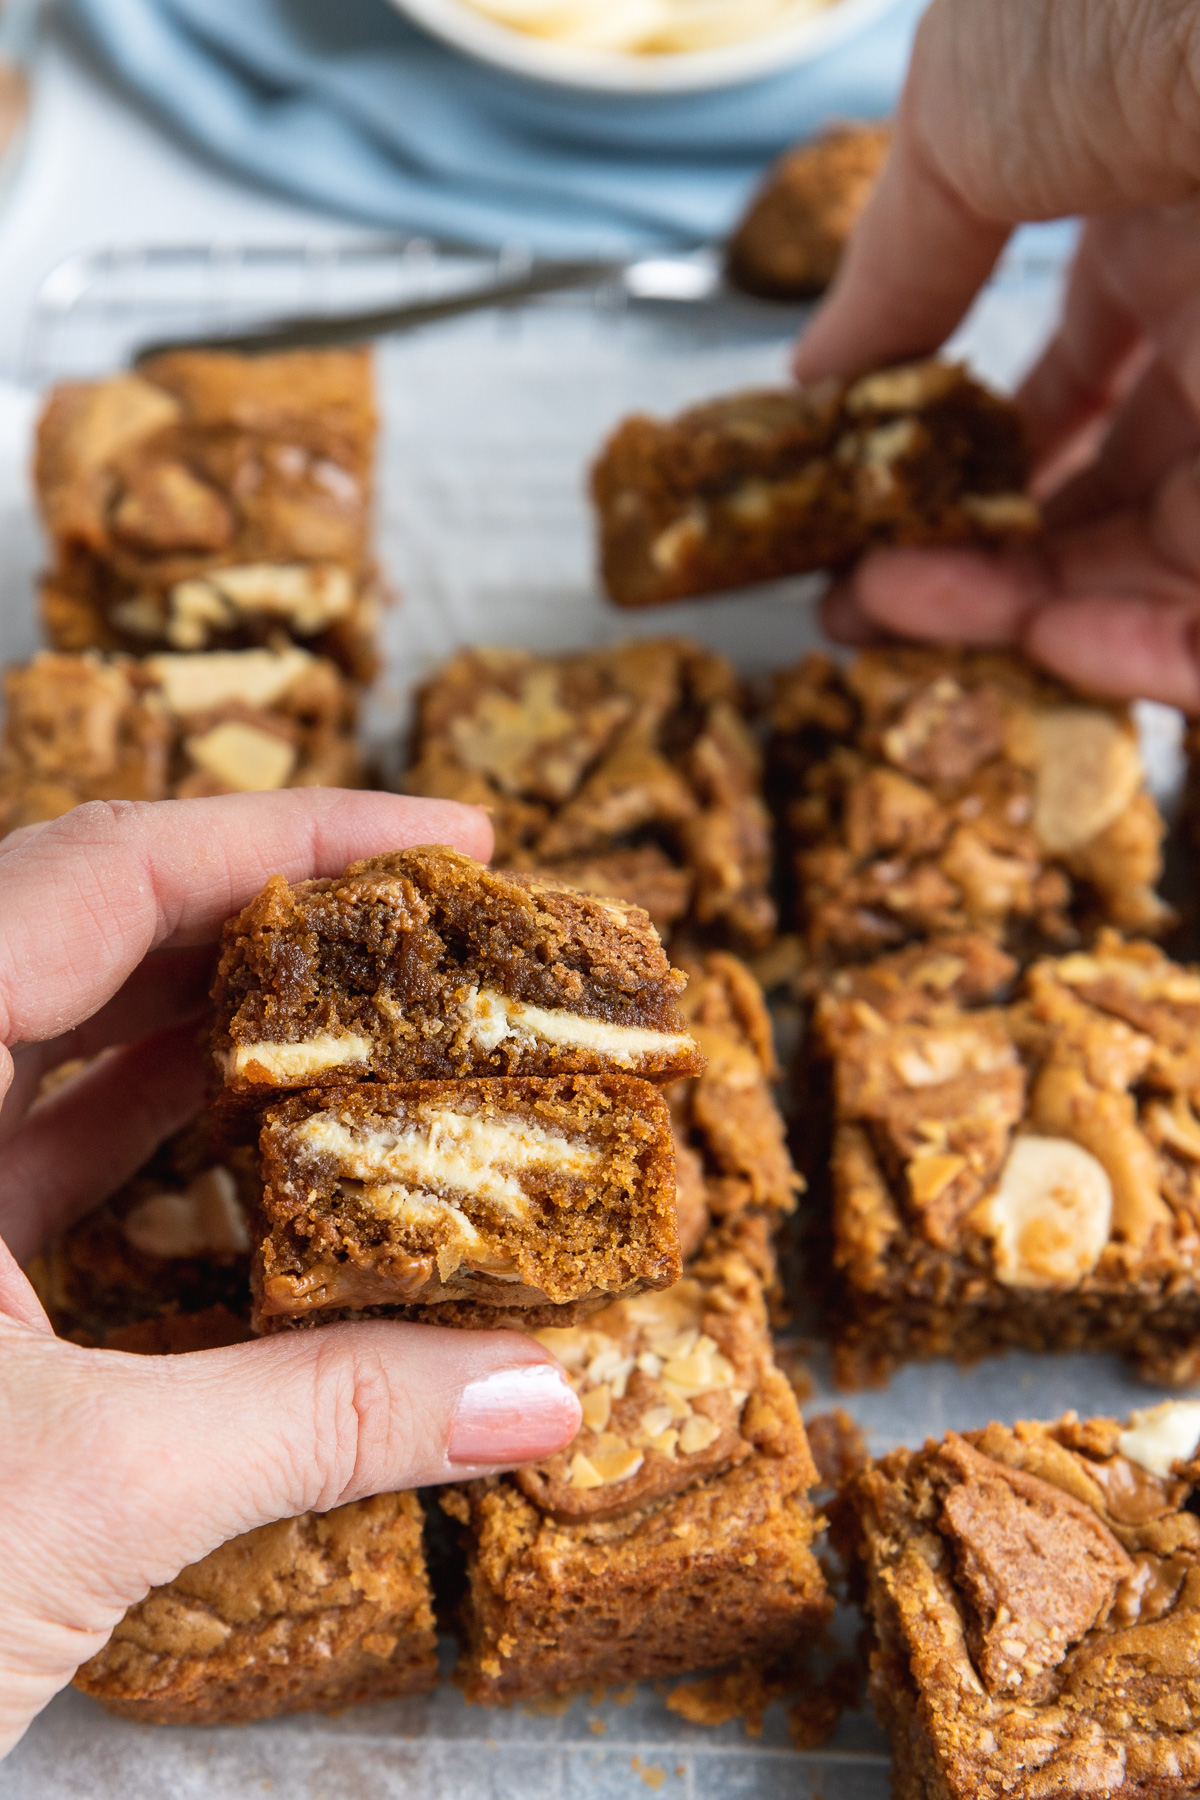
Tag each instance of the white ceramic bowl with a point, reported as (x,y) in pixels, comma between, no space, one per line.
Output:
(569,65)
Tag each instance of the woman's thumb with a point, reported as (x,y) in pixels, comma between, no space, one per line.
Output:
(121,1470)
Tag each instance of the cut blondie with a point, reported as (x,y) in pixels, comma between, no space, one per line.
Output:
(789,244)
(676,1532)
(627,771)
(1015,1174)
(1034,1595)
(213,501)
(169,727)
(784,481)
(728,1118)
(173,1241)
(313,1614)
(929,790)
(425,965)
(518,1194)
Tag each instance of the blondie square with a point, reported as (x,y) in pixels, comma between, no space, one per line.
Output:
(212,501)
(926,790)
(1015,1171)
(171,727)
(628,771)
(790,241)
(513,1193)
(173,1241)
(1034,1598)
(312,1614)
(676,1532)
(424,965)
(728,1125)
(784,481)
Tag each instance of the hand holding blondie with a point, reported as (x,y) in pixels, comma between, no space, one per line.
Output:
(120,1470)
(1005,119)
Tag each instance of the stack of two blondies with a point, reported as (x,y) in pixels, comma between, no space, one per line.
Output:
(452,1081)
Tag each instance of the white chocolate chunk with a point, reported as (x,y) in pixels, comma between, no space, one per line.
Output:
(140,616)
(493,1017)
(1088,770)
(192,684)
(459,1241)
(205,1220)
(309,597)
(1051,1215)
(1002,512)
(243,757)
(463,1153)
(1160,1436)
(672,546)
(297,1062)
(906,388)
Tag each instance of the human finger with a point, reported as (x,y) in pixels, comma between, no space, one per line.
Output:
(89,896)
(962,595)
(122,1470)
(1155,426)
(917,258)
(81,1142)
(843,619)
(169,988)
(1078,374)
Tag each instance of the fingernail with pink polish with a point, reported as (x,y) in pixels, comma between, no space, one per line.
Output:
(514,1415)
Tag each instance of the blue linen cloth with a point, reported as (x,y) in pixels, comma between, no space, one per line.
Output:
(345,105)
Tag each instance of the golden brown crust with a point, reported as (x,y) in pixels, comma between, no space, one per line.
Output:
(788,244)
(728,1116)
(780,482)
(506,1193)
(932,790)
(213,501)
(627,771)
(457,970)
(1035,1599)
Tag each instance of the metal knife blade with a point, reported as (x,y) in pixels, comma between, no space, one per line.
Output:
(686,278)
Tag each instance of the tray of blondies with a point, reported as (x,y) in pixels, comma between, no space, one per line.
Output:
(813,1071)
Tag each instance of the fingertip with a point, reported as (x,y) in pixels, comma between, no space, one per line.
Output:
(963,595)
(842,618)
(1121,648)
